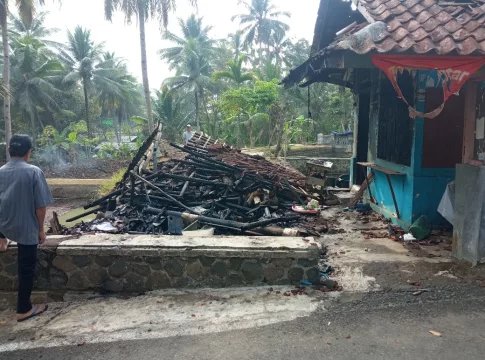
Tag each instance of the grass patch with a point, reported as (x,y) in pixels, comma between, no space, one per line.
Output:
(110,184)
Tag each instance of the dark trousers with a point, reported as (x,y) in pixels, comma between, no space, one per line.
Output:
(27,259)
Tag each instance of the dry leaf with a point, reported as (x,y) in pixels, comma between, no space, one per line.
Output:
(435,333)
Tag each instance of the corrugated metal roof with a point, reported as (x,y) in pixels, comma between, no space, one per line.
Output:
(418,26)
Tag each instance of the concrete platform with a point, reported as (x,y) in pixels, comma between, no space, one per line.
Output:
(117,263)
(75,188)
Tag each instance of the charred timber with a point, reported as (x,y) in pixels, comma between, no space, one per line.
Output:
(93,211)
(103,199)
(215,221)
(193,180)
(165,194)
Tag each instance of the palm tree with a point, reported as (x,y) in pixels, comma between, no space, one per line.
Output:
(261,22)
(36,29)
(122,100)
(142,10)
(33,75)
(296,53)
(26,9)
(279,49)
(84,63)
(237,43)
(191,59)
(168,108)
(235,72)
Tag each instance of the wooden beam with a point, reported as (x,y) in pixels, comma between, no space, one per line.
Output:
(365,13)
(470,122)
(353,60)
(358,195)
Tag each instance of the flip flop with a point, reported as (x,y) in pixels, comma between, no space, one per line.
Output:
(34,313)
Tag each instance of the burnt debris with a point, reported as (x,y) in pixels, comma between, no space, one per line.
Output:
(214,188)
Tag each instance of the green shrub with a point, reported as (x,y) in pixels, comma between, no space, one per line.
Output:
(110,184)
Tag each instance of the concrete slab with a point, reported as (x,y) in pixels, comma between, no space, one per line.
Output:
(190,246)
(96,182)
(75,188)
(379,263)
(157,315)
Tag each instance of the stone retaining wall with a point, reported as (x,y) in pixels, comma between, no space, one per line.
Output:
(86,189)
(340,166)
(319,151)
(134,269)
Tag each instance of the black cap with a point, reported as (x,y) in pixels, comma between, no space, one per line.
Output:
(19,145)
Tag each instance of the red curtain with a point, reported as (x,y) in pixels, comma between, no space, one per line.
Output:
(453,72)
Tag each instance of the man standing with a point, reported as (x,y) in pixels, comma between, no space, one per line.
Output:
(187,134)
(24,197)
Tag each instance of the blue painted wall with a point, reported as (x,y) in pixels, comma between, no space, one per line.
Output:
(429,183)
(403,190)
(419,191)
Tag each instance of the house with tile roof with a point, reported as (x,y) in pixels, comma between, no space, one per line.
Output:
(416,68)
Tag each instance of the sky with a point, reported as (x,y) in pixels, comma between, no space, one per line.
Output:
(124,39)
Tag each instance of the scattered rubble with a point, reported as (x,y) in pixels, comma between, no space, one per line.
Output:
(214,189)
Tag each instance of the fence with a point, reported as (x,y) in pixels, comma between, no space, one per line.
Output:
(336,140)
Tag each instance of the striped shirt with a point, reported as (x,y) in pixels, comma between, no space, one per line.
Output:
(23,189)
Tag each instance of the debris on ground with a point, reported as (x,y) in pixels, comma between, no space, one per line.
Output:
(419,292)
(446,273)
(421,228)
(435,333)
(373,225)
(409,237)
(214,189)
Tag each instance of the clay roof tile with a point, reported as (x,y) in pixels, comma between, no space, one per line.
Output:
(425,26)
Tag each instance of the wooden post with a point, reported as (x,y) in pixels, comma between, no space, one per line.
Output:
(55,225)
(470,122)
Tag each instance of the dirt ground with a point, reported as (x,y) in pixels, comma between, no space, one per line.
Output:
(62,207)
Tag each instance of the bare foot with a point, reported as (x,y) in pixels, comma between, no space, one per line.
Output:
(3,244)
(36,310)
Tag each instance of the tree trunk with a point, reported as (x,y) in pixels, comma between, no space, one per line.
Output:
(206,110)
(197,120)
(120,127)
(144,69)
(250,128)
(280,135)
(6,77)
(259,136)
(116,125)
(34,132)
(86,107)
(238,130)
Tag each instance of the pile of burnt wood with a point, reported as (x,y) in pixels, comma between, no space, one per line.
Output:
(213,189)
